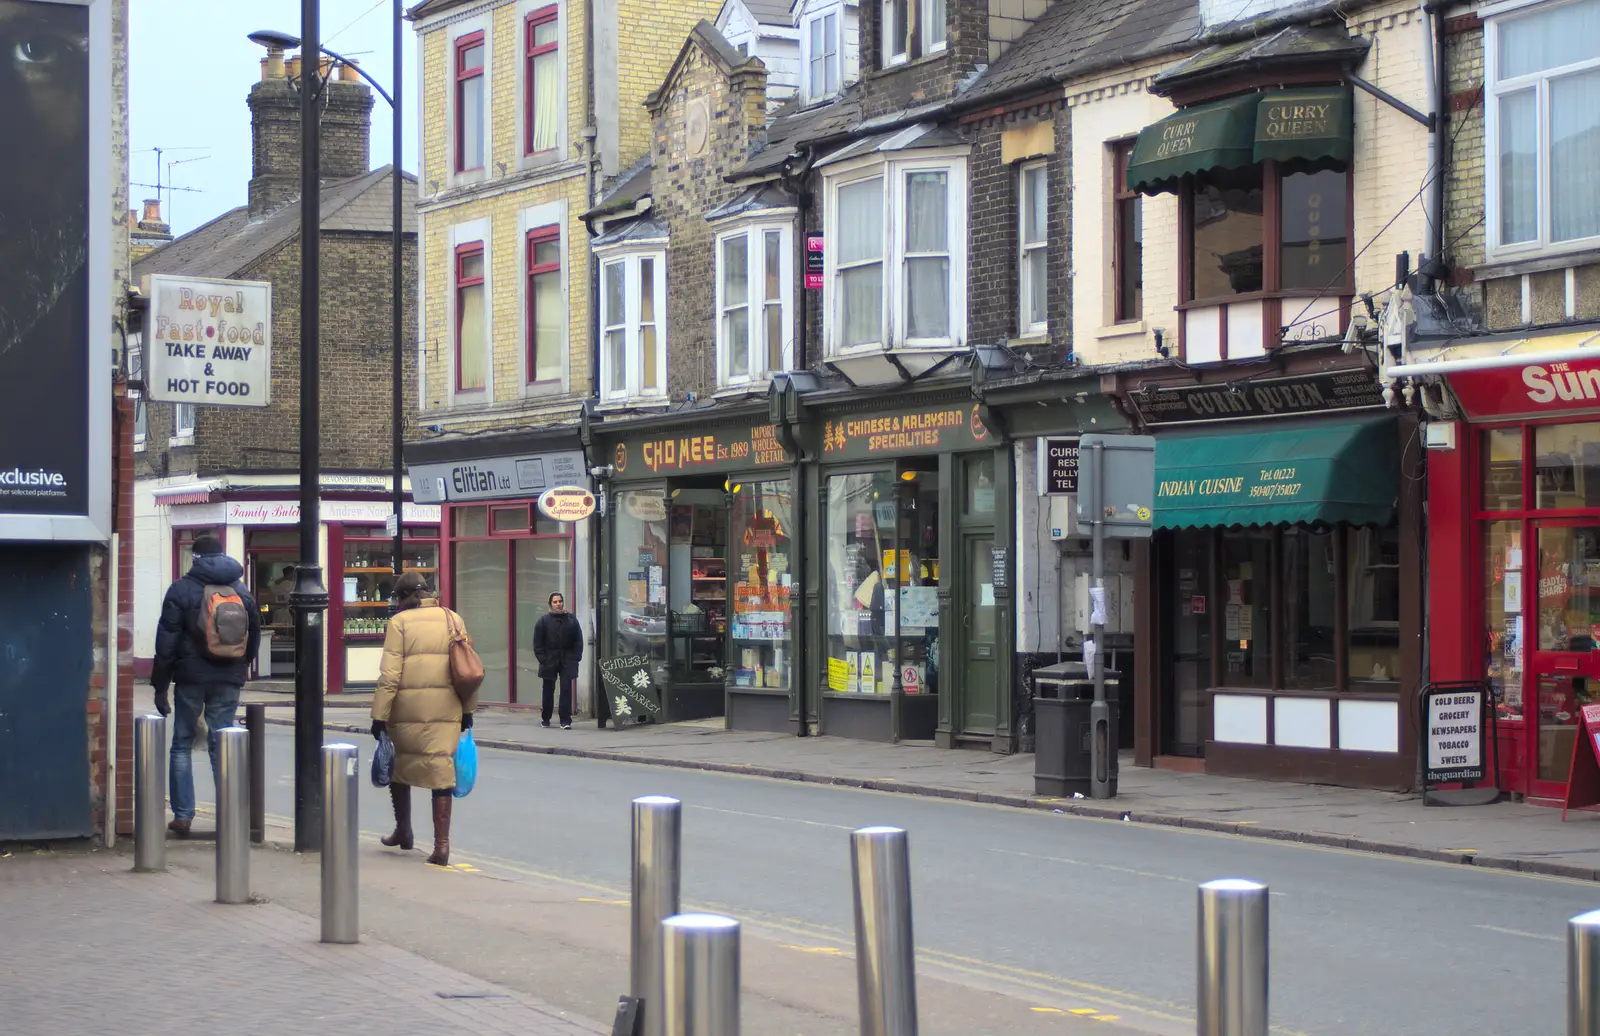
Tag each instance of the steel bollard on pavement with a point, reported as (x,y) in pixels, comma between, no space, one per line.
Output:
(255,721)
(886,972)
(1583,975)
(341,888)
(657,877)
(233,815)
(1233,959)
(150,793)
(700,975)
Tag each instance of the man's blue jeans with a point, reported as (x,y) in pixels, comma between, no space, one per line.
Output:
(220,703)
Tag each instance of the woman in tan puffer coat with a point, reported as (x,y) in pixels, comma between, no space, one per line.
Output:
(419,708)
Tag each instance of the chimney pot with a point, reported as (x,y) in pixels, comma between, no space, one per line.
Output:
(292,66)
(348,73)
(272,65)
(152,210)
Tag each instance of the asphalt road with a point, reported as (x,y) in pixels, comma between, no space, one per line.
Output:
(1026,901)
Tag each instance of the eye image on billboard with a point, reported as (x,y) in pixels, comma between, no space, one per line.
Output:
(44,252)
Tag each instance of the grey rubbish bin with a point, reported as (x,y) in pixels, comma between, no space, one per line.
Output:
(1061,752)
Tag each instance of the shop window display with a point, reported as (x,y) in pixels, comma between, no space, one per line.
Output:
(1502,614)
(1246,619)
(640,521)
(762,584)
(883,574)
(697,574)
(1374,593)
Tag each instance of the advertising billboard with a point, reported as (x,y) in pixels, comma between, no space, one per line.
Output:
(55,249)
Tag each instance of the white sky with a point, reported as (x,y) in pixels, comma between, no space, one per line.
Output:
(191,70)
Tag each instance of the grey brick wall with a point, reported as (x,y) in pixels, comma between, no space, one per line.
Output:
(275,126)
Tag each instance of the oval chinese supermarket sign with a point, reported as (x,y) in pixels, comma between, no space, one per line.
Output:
(566,503)
(1536,388)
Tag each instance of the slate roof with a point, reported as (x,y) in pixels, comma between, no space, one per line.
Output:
(770,12)
(233,241)
(1080,37)
(761,197)
(1286,46)
(790,128)
(638,229)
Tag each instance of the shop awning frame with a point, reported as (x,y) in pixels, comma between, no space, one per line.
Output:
(1219,135)
(1319,473)
(1581,351)
(1312,127)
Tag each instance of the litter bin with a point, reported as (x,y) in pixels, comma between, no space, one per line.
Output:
(1062,756)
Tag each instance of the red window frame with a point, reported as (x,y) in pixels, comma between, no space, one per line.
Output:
(543,16)
(463,253)
(536,237)
(463,75)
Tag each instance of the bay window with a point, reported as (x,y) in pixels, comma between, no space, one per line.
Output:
(896,265)
(1033,248)
(633,296)
(542,107)
(471,338)
(754,285)
(469,102)
(1542,111)
(1237,215)
(822,59)
(547,316)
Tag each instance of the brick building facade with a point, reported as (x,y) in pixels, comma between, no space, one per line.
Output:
(197,467)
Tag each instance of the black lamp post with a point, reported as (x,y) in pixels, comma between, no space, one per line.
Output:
(310,597)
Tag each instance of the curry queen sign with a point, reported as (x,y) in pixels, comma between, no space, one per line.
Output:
(209,341)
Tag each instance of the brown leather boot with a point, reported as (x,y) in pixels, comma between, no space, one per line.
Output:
(442,805)
(400,795)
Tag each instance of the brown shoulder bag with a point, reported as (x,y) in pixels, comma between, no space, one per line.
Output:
(466,668)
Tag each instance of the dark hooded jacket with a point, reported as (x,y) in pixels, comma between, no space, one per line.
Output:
(179,656)
(558,645)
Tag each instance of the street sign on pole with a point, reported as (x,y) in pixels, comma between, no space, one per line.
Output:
(1116,494)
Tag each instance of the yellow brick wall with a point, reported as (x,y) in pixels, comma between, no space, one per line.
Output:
(653,34)
(492,200)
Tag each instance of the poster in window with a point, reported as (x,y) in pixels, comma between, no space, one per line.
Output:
(1513,592)
(55,323)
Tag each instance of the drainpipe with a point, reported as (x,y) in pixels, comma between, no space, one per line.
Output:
(786,414)
(1439,99)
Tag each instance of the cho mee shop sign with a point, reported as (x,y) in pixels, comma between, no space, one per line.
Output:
(754,446)
(1529,390)
(952,427)
(210,341)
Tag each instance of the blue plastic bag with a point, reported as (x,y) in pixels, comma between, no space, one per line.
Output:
(466,764)
(383,761)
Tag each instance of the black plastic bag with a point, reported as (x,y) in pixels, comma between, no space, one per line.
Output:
(383,761)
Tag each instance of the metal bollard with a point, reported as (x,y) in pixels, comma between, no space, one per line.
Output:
(700,971)
(233,815)
(657,830)
(150,793)
(255,721)
(1583,975)
(886,973)
(1233,959)
(341,891)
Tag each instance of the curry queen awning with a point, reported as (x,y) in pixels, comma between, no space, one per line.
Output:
(1324,473)
(1311,126)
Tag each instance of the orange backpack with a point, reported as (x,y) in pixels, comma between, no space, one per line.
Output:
(224,623)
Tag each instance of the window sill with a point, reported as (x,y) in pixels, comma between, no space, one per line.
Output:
(636,403)
(1029,341)
(138,446)
(181,440)
(750,388)
(544,388)
(1332,294)
(1538,262)
(1126,329)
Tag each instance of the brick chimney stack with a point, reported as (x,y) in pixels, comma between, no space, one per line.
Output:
(275,128)
(147,232)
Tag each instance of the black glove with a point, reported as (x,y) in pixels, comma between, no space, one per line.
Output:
(163,703)
(379,728)
(466,721)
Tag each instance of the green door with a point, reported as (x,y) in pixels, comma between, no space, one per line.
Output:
(980,663)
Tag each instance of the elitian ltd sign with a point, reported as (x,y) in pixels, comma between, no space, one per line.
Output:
(1259,397)
(210,341)
(496,478)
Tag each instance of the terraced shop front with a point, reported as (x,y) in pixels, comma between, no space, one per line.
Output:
(1280,632)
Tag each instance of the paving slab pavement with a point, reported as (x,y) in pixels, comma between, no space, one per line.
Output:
(87,940)
(1507,835)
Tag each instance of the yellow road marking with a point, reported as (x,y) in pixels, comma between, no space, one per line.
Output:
(831,951)
(1105,1017)
(1047,1010)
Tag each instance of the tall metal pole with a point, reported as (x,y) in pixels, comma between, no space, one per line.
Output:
(150,793)
(1102,751)
(1233,959)
(340,826)
(310,597)
(886,972)
(233,815)
(657,829)
(700,961)
(255,721)
(397,415)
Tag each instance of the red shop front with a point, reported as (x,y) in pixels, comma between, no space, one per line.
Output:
(1514,549)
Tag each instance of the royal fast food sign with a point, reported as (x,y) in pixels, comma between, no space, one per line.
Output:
(209,342)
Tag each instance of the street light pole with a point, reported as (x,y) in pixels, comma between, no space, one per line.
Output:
(397,415)
(310,597)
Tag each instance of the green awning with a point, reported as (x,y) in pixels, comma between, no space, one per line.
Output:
(1306,125)
(1220,135)
(1328,472)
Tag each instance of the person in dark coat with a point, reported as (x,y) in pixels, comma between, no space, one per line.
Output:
(558,645)
(204,684)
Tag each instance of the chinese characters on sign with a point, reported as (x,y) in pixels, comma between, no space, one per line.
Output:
(628,686)
(946,428)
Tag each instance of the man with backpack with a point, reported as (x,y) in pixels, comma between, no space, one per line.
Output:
(209,633)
